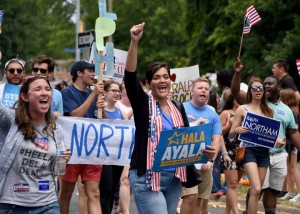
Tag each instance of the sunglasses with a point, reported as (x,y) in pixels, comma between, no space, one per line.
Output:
(256,88)
(42,70)
(12,70)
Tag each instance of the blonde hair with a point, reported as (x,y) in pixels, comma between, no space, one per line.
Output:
(200,79)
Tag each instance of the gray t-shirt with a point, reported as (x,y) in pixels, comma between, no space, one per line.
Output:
(30,181)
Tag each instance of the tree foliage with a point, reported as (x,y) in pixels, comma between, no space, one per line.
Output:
(181,32)
(208,33)
(35,27)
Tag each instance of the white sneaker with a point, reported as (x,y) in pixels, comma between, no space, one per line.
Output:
(296,198)
(288,196)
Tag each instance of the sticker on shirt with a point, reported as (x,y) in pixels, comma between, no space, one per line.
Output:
(280,112)
(21,187)
(42,142)
(44,185)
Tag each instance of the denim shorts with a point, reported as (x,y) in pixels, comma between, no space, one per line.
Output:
(151,202)
(52,208)
(259,155)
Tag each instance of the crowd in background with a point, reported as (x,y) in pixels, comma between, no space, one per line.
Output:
(272,173)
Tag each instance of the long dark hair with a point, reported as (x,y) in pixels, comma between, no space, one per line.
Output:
(22,113)
(229,103)
(265,109)
(212,101)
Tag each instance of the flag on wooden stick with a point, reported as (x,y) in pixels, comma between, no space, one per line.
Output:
(251,18)
(298,65)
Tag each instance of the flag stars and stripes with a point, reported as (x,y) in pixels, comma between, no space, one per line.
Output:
(298,65)
(251,18)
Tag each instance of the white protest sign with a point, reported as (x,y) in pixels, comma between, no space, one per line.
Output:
(183,79)
(98,141)
(119,64)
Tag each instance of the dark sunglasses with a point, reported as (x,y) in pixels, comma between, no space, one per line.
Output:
(12,70)
(256,88)
(42,70)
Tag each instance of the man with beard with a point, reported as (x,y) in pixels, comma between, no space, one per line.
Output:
(277,172)
(14,72)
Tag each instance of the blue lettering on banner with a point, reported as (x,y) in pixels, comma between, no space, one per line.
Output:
(105,133)
(98,141)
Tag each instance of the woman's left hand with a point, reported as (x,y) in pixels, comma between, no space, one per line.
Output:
(227,159)
(209,152)
(67,154)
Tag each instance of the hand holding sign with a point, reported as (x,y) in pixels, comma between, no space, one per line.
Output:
(103,27)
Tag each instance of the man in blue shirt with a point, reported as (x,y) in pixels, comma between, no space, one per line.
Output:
(195,199)
(44,66)
(80,101)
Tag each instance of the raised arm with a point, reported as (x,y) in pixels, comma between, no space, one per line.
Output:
(136,33)
(239,96)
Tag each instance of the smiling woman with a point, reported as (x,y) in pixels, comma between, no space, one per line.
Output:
(29,132)
(154,192)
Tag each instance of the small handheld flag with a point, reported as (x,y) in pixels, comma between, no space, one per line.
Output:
(251,18)
(1,18)
(298,65)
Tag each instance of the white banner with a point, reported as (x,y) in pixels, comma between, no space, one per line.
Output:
(98,141)
(183,79)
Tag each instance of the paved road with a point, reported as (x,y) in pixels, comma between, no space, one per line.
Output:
(214,207)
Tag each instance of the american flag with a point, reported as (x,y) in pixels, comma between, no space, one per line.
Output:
(251,18)
(298,65)
(1,18)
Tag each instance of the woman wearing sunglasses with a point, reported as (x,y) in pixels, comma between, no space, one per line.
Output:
(256,159)
(28,148)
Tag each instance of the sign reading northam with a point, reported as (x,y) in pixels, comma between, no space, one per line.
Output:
(86,39)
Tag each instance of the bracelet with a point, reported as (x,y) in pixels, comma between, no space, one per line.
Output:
(224,154)
(211,160)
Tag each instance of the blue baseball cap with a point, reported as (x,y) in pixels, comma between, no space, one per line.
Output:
(79,66)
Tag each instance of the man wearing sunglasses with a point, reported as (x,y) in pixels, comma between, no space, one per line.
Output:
(9,91)
(44,66)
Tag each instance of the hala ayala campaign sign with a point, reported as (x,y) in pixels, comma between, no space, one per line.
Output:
(181,147)
(263,131)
